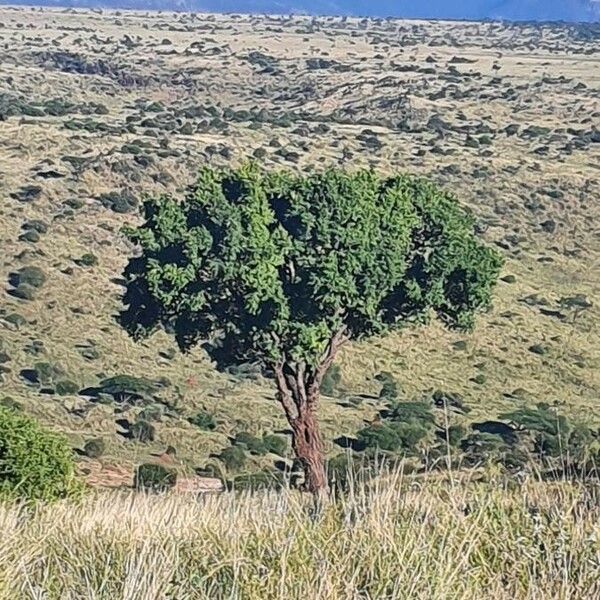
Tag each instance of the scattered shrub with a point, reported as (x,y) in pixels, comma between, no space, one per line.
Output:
(203,420)
(33,276)
(233,457)
(154,477)
(392,436)
(260,480)
(253,444)
(331,380)
(87,260)
(94,448)
(389,386)
(276,444)
(66,387)
(142,431)
(119,202)
(34,463)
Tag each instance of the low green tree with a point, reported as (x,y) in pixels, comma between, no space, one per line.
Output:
(282,270)
(35,464)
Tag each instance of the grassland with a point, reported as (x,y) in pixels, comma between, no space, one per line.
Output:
(99,108)
(401,538)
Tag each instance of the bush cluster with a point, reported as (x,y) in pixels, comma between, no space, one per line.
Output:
(34,463)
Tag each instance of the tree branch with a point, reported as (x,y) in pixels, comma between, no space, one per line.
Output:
(316,378)
(284,394)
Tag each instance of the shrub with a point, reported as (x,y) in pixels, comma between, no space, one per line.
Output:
(254,444)
(203,420)
(158,478)
(276,444)
(260,480)
(233,458)
(482,448)
(142,431)
(10,403)
(66,387)
(34,463)
(389,386)
(94,448)
(23,292)
(550,430)
(392,436)
(127,387)
(119,202)
(413,412)
(331,380)
(87,260)
(343,469)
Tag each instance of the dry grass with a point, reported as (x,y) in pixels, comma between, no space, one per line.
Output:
(400,539)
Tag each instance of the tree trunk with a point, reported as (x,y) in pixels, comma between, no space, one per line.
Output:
(308,446)
(298,393)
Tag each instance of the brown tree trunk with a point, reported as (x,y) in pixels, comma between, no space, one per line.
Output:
(308,447)
(298,393)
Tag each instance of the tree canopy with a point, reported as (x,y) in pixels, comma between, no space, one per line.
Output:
(269,267)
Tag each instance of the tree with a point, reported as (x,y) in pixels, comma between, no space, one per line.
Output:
(282,270)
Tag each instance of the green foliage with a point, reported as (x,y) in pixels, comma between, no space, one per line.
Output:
(34,463)
(344,470)
(10,403)
(33,276)
(331,380)
(142,431)
(203,420)
(253,444)
(389,386)
(155,477)
(87,260)
(489,448)
(268,266)
(275,444)
(392,436)
(553,435)
(66,387)
(94,448)
(233,457)
(413,412)
(123,387)
(260,480)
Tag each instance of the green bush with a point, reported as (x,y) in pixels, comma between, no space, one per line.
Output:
(87,260)
(254,444)
(66,387)
(413,412)
(142,431)
(203,420)
(233,458)
(392,436)
(550,430)
(158,478)
(275,444)
(260,480)
(486,448)
(389,386)
(331,380)
(34,463)
(94,448)
(33,276)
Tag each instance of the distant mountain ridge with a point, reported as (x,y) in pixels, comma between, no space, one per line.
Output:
(513,10)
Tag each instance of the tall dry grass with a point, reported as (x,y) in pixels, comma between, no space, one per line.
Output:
(397,539)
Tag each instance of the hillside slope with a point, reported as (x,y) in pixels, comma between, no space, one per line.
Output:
(98,109)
